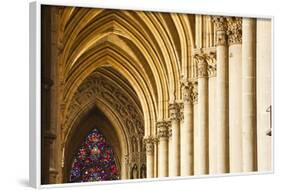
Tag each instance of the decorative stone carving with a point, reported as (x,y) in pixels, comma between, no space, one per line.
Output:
(220,23)
(202,55)
(149,145)
(205,59)
(174,110)
(181,107)
(97,86)
(155,140)
(212,66)
(202,65)
(221,28)
(163,129)
(190,92)
(170,132)
(234,30)
(126,159)
(212,70)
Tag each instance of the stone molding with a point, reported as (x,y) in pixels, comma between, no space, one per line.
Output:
(98,87)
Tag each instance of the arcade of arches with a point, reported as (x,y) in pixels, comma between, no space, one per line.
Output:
(153,94)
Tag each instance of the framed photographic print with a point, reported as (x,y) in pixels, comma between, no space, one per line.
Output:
(123,95)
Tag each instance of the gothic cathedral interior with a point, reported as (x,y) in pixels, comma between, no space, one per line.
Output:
(137,94)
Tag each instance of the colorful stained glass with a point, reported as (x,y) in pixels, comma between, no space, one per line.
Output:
(94,160)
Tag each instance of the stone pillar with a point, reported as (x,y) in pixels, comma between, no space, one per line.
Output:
(202,138)
(162,132)
(149,145)
(264,94)
(249,94)
(49,139)
(170,150)
(174,163)
(212,116)
(222,95)
(234,31)
(53,173)
(124,167)
(156,157)
(187,154)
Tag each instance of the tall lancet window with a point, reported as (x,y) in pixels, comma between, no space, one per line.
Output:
(94,160)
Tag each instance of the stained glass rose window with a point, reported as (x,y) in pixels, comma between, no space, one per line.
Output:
(94,160)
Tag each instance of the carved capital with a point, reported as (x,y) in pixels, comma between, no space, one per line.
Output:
(190,92)
(170,132)
(220,23)
(234,30)
(212,70)
(174,110)
(149,145)
(163,129)
(181,112)
(202,65)
(221,28)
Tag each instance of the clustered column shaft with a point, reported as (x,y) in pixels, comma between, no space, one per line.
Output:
(187,154)
(234,32)
(249,94)
(163,128)
(202,138)
(174,168)
(222,95)
(149,142)
(234,101)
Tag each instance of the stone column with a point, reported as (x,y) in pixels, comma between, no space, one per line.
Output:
(249,94)
(162,132)
(202,138)
(170,150)
(149,145)
(187,154)
(264,94)
(49,139)
(156,156)
(222,95)
(174,163)
(124,167)
(234,32)
(212,115)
